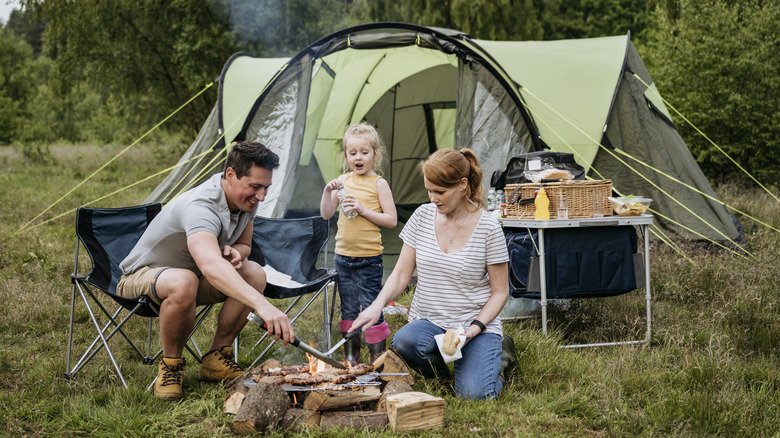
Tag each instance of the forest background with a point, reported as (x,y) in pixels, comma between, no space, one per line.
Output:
(105,71)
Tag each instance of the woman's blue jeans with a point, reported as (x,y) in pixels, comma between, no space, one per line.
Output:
(476,373)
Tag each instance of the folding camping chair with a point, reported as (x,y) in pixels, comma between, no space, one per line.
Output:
(291,247)
(108,235)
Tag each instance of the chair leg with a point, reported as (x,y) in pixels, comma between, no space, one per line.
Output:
(103,339)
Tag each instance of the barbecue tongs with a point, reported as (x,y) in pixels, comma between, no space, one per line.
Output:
(297,343)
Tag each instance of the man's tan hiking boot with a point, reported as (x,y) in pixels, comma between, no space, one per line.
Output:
(168,383)
(219,365)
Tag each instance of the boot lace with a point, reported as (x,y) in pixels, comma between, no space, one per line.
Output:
(227,360)
(172,374)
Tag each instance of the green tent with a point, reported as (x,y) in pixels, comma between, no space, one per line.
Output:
(431,88)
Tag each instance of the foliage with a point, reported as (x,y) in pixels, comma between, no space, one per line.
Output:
(274,28)
(152,55)
(17,84)
(717,63)
(486,19)
(24,25)
(565,19)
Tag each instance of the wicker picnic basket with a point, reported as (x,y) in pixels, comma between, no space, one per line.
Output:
(583,198)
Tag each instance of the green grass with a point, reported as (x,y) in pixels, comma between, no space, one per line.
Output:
(710,369)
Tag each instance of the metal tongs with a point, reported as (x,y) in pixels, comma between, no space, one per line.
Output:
(297,343)
(346,337)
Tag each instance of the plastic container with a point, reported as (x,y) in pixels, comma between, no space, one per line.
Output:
(630,205)
(342,192)
(491,200)
(542,204)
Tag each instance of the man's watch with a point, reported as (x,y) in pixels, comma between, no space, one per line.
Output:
(479,324)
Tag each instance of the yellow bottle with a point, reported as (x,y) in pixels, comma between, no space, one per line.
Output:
(542,204)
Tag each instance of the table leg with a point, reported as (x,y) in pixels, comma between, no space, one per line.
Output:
(646,234)
(542,280)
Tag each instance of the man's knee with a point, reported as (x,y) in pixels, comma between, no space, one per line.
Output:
(253,274)
(177,284)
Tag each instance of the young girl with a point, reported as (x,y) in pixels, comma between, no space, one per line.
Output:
(359,248)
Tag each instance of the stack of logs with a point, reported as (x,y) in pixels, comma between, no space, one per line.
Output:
(266,406)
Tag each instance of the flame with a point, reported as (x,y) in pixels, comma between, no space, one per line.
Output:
(315,365)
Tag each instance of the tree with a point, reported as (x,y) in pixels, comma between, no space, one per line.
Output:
(17,84)
(24,25)
(486,19)
(275,28)
(718,64)
(566,19)
(151,54)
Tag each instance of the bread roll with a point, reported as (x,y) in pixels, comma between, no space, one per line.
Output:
(451,341)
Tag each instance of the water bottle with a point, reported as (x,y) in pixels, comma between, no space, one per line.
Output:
(491,200)
(341,193)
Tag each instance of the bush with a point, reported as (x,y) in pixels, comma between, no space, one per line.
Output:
(717,63)
(17,84)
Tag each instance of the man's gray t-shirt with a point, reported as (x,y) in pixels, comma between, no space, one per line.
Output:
(204,208)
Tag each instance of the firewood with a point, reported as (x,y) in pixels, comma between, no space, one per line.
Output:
(233,402)
(296,419)
(354,419)
(391,362)
(392,387)
(263,407)
(412,411)
(240,386)
(328,400)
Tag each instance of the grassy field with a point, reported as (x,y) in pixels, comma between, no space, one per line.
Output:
(710,370)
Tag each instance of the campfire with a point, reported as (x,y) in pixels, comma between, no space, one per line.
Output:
(317,394)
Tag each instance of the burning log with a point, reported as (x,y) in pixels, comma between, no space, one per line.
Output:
(412,411)
(263,407)
(392,387)
(296,419)
(391,362)
(354,419)
(329,400)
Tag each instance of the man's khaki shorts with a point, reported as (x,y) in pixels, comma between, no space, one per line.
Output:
(142,282)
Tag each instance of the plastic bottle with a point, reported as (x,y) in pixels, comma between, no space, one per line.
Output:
(542,204)
(491,200)
(341,193)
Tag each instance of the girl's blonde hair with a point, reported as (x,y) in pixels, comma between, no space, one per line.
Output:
(369,133)
(446,167)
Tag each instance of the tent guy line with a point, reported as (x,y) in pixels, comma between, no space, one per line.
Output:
(138,140)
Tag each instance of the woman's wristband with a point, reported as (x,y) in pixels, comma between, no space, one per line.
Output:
(479,324)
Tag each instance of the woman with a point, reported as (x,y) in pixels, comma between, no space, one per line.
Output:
(460,255)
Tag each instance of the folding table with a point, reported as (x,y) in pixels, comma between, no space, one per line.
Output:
(543,226)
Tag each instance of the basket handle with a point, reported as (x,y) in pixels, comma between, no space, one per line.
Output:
(513,198)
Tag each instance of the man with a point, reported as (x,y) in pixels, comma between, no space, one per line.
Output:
(194,253)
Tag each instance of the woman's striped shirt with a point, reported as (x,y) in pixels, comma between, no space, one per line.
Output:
(452,288)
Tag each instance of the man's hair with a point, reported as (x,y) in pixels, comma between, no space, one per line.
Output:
(246,154)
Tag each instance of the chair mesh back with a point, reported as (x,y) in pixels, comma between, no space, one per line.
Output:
(109,234)
(291,246)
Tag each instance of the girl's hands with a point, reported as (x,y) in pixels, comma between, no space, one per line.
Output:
(333,185)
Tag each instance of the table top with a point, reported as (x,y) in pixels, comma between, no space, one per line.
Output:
(607,221)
